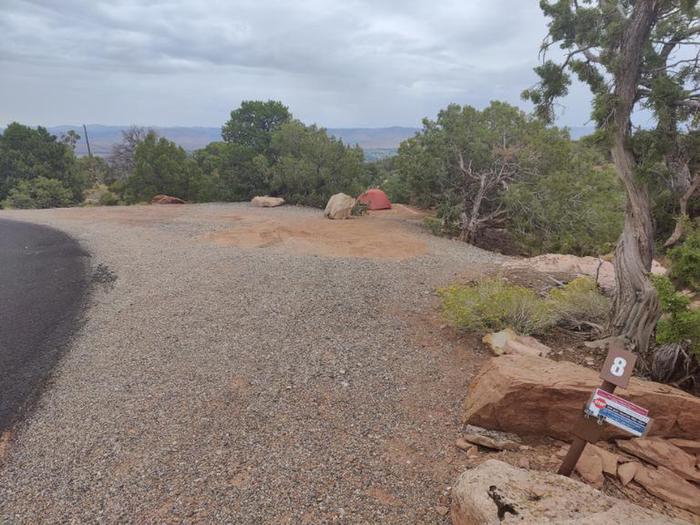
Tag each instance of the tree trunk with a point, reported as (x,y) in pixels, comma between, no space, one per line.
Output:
(683,217)
(470,224)
(635,303)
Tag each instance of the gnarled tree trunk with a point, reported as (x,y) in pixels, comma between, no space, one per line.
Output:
(683,214)
(635,304)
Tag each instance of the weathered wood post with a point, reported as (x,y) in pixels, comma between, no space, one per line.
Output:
(617,370)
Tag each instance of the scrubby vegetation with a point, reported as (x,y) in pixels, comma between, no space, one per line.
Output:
(685,260)
(500,167)
(495,304)
(678,324)
(40,192)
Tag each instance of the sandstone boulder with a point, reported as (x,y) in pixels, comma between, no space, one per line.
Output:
(558,264)
(670,487)
(166,199)
(267,202)
(339,206)
(537,497)
(663,454)
(533,395)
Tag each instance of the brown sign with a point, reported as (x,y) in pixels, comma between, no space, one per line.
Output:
(618,366)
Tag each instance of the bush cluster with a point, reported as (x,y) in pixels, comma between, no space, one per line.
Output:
(685,259)
(495,304)
(40,192)
(678,323)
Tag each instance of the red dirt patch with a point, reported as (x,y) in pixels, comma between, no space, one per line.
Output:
(367,237)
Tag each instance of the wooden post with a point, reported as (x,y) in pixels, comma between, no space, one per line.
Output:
(586,431)
(617,370)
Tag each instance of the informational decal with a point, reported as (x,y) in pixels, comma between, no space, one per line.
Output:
(618,412)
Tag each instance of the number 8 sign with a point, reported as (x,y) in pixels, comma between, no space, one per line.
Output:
(619,365)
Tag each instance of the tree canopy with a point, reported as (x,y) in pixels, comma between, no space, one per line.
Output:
(252,124)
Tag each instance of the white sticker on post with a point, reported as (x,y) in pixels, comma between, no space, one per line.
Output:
(619,412)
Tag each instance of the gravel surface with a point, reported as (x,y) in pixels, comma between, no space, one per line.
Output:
(214,383)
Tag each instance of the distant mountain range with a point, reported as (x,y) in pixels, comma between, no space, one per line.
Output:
(191,138)
(377,142)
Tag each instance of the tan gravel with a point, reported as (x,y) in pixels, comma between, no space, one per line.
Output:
(234,382)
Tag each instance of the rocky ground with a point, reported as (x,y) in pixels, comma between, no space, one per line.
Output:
(250,366)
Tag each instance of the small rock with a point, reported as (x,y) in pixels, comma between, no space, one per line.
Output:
(496,444)
(166,199)
(524,463)
(608,458)
(442,510)
(626,472)
(590,467)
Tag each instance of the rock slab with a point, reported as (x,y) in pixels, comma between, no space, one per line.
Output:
(339,206)
(537,497)
(670,487)
(166,199)
(267,202)
(662,453)
(536,396)
(509,342)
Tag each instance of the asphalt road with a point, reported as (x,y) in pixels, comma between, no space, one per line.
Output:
(43,279)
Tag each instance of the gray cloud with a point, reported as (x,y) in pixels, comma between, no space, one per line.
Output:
(189,62)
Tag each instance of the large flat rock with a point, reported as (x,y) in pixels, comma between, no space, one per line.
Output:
(538,498)
(532,395)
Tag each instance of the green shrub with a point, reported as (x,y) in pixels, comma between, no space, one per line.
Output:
(678,324)
(433,225)
(579,302)
(494,304)
(40,192)
(685,260)
(577,210)
(359,209)
(109,199)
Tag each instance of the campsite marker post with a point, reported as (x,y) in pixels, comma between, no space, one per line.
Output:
(617,370)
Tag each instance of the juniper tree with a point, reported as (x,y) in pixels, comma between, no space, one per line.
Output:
(632,54)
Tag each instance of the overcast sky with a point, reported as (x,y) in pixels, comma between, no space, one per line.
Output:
(350,63)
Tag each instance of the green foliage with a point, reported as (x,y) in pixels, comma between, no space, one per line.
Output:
(39,192)
(678,324)
(251,126)
(578,302)
(311,166)
(162,167)
(109,199)
(27,153)
(359,209)
(685,259)
(494,304)
(578,209)
(434,225)
(230,172)
(557,196)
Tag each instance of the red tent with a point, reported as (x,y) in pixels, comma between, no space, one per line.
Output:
(375,199)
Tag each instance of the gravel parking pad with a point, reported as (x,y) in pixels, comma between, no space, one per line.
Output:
(243,384)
